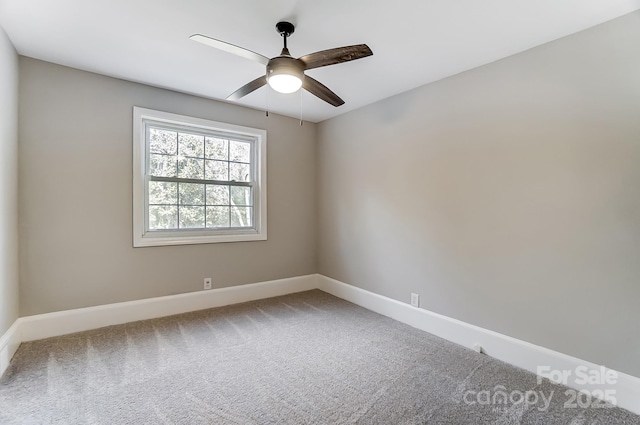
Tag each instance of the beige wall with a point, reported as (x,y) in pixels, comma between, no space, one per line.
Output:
(75,193)
(507,196)
(8,183)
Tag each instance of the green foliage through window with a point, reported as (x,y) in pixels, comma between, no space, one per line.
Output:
(198,181)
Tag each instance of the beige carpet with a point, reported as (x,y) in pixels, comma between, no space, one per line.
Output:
(306,358)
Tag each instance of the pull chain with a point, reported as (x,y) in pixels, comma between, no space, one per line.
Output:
(267,94)
(301,108)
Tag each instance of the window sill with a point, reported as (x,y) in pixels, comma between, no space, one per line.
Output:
(163,240)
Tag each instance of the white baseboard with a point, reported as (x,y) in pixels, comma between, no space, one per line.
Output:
(82,319)
(510,350)
(9,344)
(47,325)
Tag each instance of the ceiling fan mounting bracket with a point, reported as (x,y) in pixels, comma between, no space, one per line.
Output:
(285,29)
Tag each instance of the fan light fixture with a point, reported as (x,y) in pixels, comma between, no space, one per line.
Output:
(285,74)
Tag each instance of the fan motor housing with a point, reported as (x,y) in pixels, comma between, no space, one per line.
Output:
(285,65)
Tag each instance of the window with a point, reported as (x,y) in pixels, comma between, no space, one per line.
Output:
(196,181)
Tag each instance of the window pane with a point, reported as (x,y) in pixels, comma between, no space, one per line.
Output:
(163,141)
(162,165)
(191,145)
(217,194)
(163,217)
(239,151)
(191,194)
(217,216)
(163,193)
(189,168)
(216,148)
(191,217)
(240,195)
(217,170)
(239,172)
(241,217)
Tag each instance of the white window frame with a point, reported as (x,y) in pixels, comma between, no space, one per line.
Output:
(142,237)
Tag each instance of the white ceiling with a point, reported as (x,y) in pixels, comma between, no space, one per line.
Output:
(414,41)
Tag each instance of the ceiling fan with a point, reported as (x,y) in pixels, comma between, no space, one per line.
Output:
(285,73)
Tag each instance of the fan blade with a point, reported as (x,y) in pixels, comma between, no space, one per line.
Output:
(321,91)
(248,88)
(337,55)
(230,48)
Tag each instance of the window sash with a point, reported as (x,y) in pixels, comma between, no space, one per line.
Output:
(178,128)
(230,184)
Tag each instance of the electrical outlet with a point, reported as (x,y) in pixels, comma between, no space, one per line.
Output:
(415,300)
(207,283)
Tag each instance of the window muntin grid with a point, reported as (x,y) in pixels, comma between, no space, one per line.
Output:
(198,180)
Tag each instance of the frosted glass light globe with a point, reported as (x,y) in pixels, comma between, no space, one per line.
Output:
(285,83)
